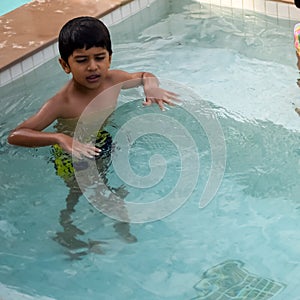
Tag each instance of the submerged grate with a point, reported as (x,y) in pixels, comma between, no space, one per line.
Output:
(230,280)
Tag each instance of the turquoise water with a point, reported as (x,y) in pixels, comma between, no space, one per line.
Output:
(9,5)
(244,243)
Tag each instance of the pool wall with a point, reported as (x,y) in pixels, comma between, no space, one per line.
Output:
(277,9)
(16,59)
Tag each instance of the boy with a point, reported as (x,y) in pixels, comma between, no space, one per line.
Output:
(85,52)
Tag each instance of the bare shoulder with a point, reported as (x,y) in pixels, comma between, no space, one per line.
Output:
(126,79)
(56,106)
(56,101)
(66,103)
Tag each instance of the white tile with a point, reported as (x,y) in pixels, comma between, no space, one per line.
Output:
(237,4)
(116,16)
(271,8)
(216,2)
(5,77)
(125,11)
(48,53)
(134,6)
(55,49)
(107,20)
(226,3)
(259,6)
(294,13)
(143,4)
(38,58)
(249,4)
(283,10)
(16,71)
(27,64)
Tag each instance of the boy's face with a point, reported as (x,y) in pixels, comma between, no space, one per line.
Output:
(88,67)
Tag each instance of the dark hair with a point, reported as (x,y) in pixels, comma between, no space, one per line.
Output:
(80,33)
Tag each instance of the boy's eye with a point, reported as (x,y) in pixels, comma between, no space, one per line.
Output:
(81,60)
(100,57)
(85,59)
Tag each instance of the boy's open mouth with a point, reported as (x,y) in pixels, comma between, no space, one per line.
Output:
(92,78)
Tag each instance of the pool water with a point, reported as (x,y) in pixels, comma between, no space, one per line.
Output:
(244,244)
(8,5)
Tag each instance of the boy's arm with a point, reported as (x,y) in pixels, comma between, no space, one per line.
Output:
(26,137)
(30,134)
(153,93)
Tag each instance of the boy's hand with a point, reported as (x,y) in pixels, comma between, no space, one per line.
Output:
(160,97)
(77,148)
(87,150)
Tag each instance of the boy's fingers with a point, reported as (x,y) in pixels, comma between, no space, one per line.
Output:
(92,151)
(161,105)
(147,102)
(170,102)
(174,97)
(87,150)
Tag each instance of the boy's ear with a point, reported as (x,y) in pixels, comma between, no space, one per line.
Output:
(64,65)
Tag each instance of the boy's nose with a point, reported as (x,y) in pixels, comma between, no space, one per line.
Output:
(92,65)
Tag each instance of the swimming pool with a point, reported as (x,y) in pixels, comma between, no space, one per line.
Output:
(9,5)
(245,242)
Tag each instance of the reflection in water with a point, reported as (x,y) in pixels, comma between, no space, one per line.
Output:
(70,236)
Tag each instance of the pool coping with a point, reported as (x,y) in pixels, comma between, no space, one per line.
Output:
(23,50)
